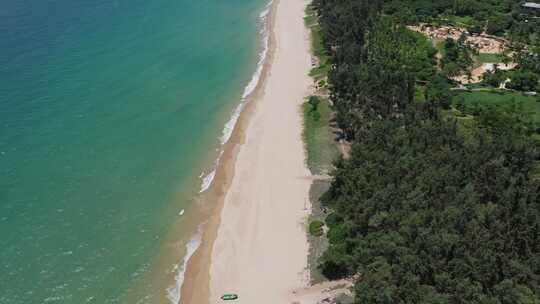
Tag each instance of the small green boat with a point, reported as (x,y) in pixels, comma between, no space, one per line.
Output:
(229,297)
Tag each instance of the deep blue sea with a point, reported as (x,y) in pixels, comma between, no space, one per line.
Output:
(109,113)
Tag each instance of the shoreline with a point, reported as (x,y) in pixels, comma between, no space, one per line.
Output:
(199,284)
(184,244)
(266,205)
(197,271)
(248,95)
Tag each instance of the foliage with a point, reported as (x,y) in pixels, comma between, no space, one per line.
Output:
(440,47)
(417,209)
(314,102)
(371,70)
(510,120)
(523,80)
(457,57)
(424,213)
(475,28)
(474,103)
(530,61)
(316,228)
(494,78)
(438,92)
(420,94)
(502,18)
(317,137)
(527,76)
(496,25)
(320,71)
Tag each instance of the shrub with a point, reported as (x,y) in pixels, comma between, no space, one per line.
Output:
(523,81)
(438,92)
(494,79)
(316,228)
(314,101)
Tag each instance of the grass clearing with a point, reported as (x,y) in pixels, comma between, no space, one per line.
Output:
(465,122)
(453,20)
(319,144)
(311,17)
(440,46)
(318,245)
(317,136)
(317,48)
(320,148)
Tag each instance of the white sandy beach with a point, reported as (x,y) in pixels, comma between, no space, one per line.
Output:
(261,248)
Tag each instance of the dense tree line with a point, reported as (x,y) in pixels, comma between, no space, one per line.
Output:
(525,77)
(374,71)
(495,17)
(423,212)
(427,217)
(457,57)
(521,79)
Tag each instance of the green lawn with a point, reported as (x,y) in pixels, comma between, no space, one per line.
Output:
(480,86)
(489,58)
(498,98)
(461,21)
(464,21)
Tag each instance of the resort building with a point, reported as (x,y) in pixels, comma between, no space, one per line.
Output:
(531,8)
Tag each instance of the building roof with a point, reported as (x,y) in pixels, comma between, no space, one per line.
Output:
(531,5)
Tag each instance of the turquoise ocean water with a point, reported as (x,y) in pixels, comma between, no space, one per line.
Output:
(109,112)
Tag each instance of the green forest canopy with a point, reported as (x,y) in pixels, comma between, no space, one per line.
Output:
(422,212)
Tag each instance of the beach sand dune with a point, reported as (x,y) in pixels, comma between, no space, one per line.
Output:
(260,252)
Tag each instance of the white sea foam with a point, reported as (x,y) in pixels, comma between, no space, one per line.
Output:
(248,90)
(262,55)
(254,82)
(207,181)
(174,292)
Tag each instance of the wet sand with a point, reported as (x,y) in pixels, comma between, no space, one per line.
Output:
(261,247)
(255,242)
